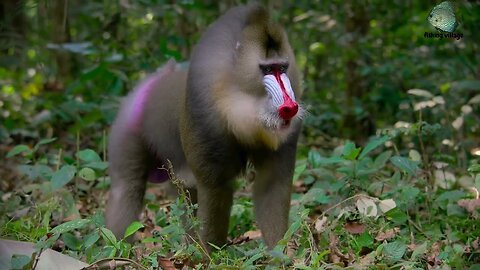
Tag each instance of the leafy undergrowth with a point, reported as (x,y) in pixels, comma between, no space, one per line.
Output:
(374,207)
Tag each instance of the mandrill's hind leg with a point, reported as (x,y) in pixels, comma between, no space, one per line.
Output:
(128,171)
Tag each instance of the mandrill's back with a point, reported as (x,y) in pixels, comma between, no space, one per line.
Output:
(142,114)
(161,123)
(162,119)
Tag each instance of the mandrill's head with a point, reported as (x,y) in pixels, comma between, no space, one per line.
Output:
(266,65)
(258,84)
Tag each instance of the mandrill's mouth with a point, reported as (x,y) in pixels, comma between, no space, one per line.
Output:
(273,122)
(285,124)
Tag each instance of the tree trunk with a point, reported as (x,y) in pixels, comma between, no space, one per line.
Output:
(357,24)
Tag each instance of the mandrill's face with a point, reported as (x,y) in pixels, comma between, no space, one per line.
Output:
(282,107)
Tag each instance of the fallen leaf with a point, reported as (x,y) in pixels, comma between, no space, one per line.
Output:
(6,196)
(419,251)
(411,247)
(434,251)
(247,236)
(367,260)
(466,181)
(165,263)
(476,243)
(414,155)
(253,235)
(367,207)
(321,224)
(420,93)
(354,227)
(388,234)
(440,165)
(47,259)
(444,179)
(458,122)
(179,264)
(291,249)
(386,205)
(336,256)
(471,205)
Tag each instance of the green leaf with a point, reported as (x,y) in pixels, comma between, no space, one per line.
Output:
(61,177)
(19,261)
(69,205)
(109,237)
(17,150)
(405,164)
(409,194)
(450,196)
(71,241)
(70,226)
(252,259)
(397,216)
(394,251)
(382,159)
(350,152)
(87,174)
(331,160)
(47,242)
(299,170)
(133,228)
(36,171)
(42,142)
(420,250)
(46,141)
(314,158)
(308,180)
(455,210)
(372,145)
(364,240)
(109,251)
(90,240)
(315,196)
(295,225)
(88,155)
(97,165)
(466,85)
(474,168)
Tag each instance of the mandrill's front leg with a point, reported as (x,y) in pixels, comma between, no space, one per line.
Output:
(272,190)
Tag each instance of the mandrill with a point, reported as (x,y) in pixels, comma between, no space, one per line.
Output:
(238,102)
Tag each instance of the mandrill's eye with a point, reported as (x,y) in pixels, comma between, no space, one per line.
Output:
(266,69)
(269,69)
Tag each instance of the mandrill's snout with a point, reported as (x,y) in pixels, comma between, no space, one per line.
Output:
(288,110)
(281,93)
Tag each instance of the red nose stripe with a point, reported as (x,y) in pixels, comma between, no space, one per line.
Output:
(289,108)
